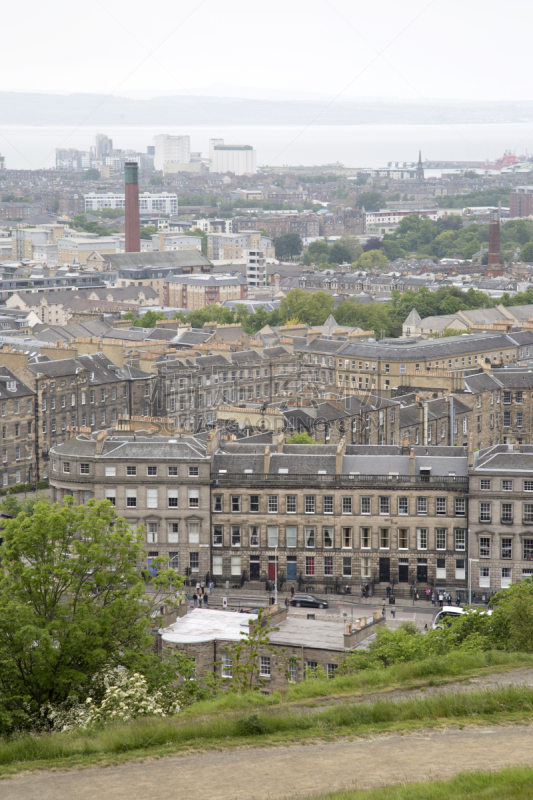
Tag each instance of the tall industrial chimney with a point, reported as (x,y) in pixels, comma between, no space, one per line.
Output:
(494,240)
(133,229)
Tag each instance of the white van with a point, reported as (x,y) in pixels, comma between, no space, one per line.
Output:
(452,612)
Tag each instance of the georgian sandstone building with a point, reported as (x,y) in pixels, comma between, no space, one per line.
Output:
(158,482)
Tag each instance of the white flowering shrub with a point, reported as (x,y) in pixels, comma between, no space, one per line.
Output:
(125,697)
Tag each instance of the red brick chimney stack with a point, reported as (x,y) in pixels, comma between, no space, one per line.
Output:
(133,229)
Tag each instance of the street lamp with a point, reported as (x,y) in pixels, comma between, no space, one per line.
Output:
(470,578)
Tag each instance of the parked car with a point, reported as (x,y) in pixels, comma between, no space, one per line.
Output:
(307,601)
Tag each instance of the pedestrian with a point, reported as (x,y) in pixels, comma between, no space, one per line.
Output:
(389,589)
(197,586)
(292,591)
(383,611)
(286,602)
(428,595)
(195,600)
(202,585)
(393,612)
(367,590)
(441,599)
(432,598)
(205,599)
(211,586)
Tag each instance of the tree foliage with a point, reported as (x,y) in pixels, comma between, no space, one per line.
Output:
(301,438)
(72,605)
(288,246)
(312,309)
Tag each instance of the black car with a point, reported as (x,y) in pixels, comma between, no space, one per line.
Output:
(307,601)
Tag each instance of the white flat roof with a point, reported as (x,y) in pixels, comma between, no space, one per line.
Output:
(206,624)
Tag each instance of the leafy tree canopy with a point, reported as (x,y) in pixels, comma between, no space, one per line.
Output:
(288,246)
(72,604)
(301,438)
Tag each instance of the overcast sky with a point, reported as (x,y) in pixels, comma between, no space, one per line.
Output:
(408,49)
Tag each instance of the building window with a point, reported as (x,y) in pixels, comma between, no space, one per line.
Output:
(365,538)
(403,506)
(527,545)
(194,472)
(403,538)
(172,533)
(151,471)
(328,566)
(151,532)
(528,486)
(507,486)
(384,538)
(384,505)
(235,536)
(527,512)
(264,666)
(346,505)
(422,538)
(440,538)
(460,507)
(131,498)
(218,531)
(309,537)
(151,498)
(441,506)
(309,504)
(194,532)
(172,472)
(460,539)
(421,505)
(66,466)
(328,504)
(235,503)
(328,537)
(346,537)
(484,546)
(484,512)
(227,667)
(110,472)
(131,471)
(506,418)
(365,505)
(272,535)
(193,562)
(507,512)
(485,484)
(84,469)
(272,504)
(507,548)
(291,532)
(110,494)
(347,566)
(172,497)
(309,565)
(194,498)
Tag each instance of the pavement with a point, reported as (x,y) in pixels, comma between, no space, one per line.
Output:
(297,771)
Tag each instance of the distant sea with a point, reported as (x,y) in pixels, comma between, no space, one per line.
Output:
(26,147)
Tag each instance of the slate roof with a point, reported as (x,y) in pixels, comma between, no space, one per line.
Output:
(174,258)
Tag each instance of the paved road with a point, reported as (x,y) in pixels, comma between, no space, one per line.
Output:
(282,772)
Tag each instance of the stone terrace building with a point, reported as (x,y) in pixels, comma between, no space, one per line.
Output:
(340,515)
(501,517)
(155,481)
(17,429)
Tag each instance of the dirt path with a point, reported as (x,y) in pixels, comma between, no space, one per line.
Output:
(283,772)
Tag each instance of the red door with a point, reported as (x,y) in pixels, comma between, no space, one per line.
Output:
(272,570)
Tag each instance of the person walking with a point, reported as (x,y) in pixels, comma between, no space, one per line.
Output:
(389,590)
(432,598)
(383,612)
(205,599)
(211,586)
(393,612)
(428,595)
(292,591)
(195,600)
(287,602)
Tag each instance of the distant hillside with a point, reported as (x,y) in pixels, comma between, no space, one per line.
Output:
(17,108)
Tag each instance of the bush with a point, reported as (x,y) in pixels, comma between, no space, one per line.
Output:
(252,725)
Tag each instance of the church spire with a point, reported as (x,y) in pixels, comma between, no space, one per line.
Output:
(419,167)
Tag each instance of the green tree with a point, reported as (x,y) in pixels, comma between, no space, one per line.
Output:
(372,201)
(372,259)
(72,605)
(148,231)
(301,438)
(288,246)
(203,236)
(91,175)
(245,656)
(312,309)
(526,253)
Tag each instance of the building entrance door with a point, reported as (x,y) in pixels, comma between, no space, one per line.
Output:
(254,569)
(403,573)
(384,570)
